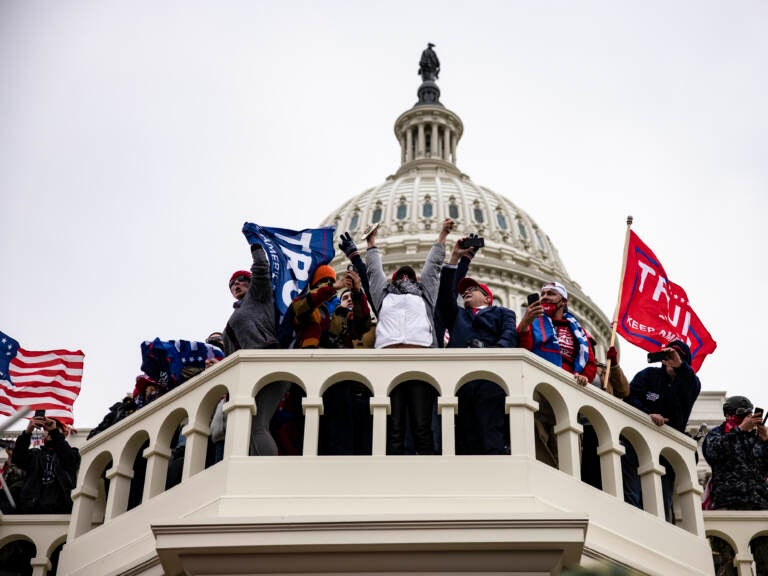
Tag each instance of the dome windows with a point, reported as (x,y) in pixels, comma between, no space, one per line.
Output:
(354,222)
(377,213)
(501,220)
(521,229)
(427,209)
(477,212)
(402,209)
(453,208)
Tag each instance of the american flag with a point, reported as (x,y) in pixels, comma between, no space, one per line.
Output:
(48,380)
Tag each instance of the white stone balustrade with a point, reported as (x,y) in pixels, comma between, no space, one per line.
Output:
(379,485)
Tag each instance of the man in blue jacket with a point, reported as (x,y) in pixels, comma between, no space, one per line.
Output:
(667,394)
(479,324)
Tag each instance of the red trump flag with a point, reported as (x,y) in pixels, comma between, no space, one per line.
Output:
(654,311)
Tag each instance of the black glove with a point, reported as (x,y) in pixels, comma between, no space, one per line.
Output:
(347,245)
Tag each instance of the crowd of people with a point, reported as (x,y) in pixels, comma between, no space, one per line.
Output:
(441,306)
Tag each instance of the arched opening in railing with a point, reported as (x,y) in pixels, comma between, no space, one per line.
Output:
(16,554)
(412,425)
(641,475)
(680,489)
(176,461)
(278,425)
(346,425)
(597,448)
(723,555)
(53,556)
(482,422)
(92,493)
(139,470)
(551,416)
(759,547)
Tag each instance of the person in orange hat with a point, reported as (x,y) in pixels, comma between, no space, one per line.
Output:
(323,320)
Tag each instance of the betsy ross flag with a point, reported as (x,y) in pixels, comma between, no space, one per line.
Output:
(47,380)
(654,311)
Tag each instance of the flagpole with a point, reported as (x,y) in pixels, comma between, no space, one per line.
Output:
(614,323)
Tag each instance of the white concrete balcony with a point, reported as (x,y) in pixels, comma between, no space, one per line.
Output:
(399,514)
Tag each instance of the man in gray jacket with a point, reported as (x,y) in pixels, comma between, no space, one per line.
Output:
(253,325)
(406,308)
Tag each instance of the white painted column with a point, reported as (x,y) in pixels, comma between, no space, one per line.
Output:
(195,450)
(610,468)
(743,563)
(403,149)
(83,508)
(157,471)
(239,413)
(434,148)
(119,489)
(313,409)
(568,454)
(650,480)
(521,431)
(409,144)
(421,142)
(380,408)
(40,565)
(447,144)
(691,517)
(448,407)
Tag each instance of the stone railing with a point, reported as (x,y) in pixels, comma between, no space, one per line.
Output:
(524,378)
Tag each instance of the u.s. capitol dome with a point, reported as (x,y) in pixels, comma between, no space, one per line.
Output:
(411,205)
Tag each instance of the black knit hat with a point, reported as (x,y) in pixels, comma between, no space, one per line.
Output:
(682,349)
(737,405)
(405,271)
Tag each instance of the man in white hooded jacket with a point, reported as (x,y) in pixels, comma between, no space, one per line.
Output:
(406,306)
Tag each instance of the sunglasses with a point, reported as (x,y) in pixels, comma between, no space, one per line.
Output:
(239,279)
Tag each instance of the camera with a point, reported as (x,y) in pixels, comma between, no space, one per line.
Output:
(350,267)
(757,412)
(39,413)
(657,356)
(533,298)
(472,242)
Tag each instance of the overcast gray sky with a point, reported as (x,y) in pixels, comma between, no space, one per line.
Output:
(136,137)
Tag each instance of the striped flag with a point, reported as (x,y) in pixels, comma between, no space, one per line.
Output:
(48,380)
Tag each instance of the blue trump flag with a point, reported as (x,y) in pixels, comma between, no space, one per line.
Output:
(293,257)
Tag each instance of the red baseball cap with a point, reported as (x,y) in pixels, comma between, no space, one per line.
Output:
(238,273)
(465,283)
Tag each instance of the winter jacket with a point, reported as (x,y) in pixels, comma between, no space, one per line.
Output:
(47,490)
(654,392)
(252,324)
(405,323)
(739,462)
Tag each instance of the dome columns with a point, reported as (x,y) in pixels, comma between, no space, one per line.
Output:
(428,136)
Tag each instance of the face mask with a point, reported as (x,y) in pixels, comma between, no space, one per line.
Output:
(549,308)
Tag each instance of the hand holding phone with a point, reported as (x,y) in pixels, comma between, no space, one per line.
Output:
(657,356)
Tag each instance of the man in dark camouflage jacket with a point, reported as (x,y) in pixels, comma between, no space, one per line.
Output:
(737,452)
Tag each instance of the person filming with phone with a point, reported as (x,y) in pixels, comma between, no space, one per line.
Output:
(549,330)
(737,452)
(667,394)
(51,470)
